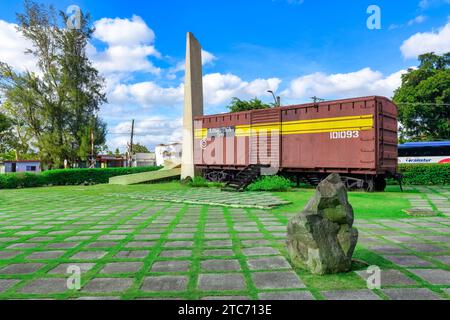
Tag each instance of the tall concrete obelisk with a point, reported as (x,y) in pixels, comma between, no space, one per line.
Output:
(193,102)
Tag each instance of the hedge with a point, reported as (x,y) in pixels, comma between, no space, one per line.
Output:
(66,177)
(270,183)
(425,174)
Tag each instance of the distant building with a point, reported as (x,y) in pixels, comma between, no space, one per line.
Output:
(144,159)
(110,161)
(168,152)
(31,166)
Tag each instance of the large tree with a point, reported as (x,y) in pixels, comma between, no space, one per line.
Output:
(238,105)
(5,133)
(58,105)
(424,99)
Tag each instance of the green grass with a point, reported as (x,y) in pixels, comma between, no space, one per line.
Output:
(89,208)
(365,205)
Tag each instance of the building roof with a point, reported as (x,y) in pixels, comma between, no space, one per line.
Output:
(425,144)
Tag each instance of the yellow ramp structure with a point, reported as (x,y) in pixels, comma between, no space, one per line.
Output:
(169,171)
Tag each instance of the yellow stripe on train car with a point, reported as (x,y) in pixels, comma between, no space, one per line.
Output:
(351,123)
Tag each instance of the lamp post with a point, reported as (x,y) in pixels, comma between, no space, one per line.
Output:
(276,99)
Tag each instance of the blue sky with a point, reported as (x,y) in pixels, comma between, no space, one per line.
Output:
(300,48)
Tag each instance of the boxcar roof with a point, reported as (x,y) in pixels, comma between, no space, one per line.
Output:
(303,105)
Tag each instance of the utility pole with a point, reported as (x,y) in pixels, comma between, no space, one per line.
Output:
(131,143)
(92,148)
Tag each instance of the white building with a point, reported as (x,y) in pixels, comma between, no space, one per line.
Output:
(168,152)
(144,159)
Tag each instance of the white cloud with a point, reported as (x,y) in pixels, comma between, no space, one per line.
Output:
(130,44)
(425,4)
(12,49)
(419,43)
(149,131)
(124,31)
(207,59)
(417,20)
(146,94)
(220,88)
(340,85)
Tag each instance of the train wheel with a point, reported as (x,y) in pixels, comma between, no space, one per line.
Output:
(380,184)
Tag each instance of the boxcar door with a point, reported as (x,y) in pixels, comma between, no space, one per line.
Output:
(265,137)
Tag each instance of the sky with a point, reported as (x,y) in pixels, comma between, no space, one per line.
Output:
(297,48)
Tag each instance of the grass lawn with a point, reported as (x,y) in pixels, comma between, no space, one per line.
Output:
(139,249)
(365,205)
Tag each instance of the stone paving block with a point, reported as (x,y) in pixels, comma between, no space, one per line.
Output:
(164,283)
(411,294)
(260,251)
(171,266)
(362,294)
(277,280)
(147,237)
(134,254)
(218,252)
(112,237)
(255,242)
(409,261)
(389,278)
(268,263)
(21,268)
(43,255)
(445,239)
(425,247)
(45,286)
(101,244)
(219,282)
(5,284)
(63,245)
(229,298)
(89,255)
(9,254)
(140,244)
(218,243)
(98,298)
(175,244)
(107,285)
(220,265)
(286,295)
(402,239)
(28,245)
(175,253)
(433,276)
(443,259)
(121,267)
(63,267)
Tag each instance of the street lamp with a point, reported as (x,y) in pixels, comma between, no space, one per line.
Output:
(276,99)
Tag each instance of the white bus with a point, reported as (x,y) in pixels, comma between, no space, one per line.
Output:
(424,152)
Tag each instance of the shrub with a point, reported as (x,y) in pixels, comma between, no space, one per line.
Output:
(425,174)
(66,177)
(270,183)
(199,182)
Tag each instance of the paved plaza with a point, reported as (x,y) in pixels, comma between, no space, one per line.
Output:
(137,248)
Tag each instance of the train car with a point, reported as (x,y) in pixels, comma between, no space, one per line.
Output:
(424,152)
(356,138)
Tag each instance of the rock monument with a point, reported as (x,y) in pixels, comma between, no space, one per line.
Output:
(321,238)
(193,102)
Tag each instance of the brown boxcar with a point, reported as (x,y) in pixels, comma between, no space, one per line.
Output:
(354,137)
